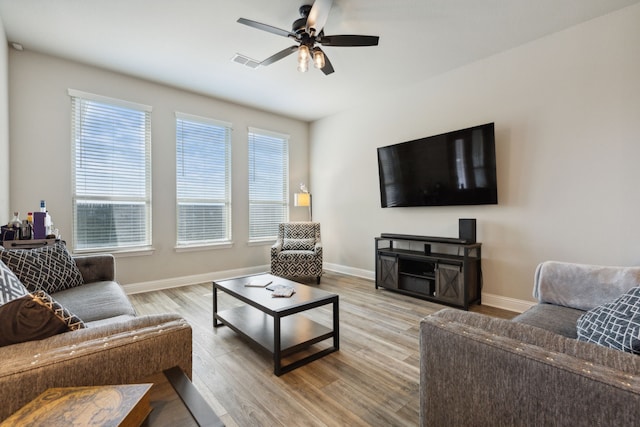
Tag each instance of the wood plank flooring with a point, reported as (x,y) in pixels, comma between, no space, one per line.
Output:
(373,380)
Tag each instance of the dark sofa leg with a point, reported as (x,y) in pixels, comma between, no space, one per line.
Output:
(318,279)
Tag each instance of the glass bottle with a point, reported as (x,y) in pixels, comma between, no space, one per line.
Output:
(26,232)
(16,224)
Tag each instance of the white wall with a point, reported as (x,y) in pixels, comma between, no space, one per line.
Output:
(4,128)
(567,115)
(41,157)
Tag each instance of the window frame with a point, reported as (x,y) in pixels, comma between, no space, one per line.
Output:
(77,100)
(283,201)
(227,200)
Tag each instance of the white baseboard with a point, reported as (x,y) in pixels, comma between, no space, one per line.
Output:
(496,301)
(175,282)
(350,271)
(506,303)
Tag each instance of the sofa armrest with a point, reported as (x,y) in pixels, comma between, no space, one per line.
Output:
(118,353)
(498,372)
(582,286)
(96,268)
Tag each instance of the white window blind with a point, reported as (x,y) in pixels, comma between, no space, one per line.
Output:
(111,173)
(268,183)
(203,180)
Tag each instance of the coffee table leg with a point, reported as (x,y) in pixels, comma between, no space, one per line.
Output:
(277,363)
(215,305)
(336,325)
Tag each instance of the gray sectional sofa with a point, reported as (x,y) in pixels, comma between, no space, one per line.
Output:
(115,347)
(476,370)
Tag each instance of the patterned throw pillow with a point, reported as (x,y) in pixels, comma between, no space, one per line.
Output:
(50,268)
(298,244)
(72,321)
(34,317)
(615,324)
(10,286)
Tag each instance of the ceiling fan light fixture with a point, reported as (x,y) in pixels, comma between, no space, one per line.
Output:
(303,67)
(303,58)
(308,31)
(303,53)
(318,58)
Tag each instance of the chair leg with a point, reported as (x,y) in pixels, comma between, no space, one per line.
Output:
(318,279)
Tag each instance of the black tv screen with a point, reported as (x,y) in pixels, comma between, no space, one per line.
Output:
(454,168)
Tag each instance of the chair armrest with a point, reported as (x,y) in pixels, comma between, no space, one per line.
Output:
(318,248)
(96,268)
(582,286)
(276,248)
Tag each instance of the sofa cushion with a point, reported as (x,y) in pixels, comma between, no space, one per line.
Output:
(298,244)
(34,317)
(555,318)
(10,286)
(50,268)
(96,301)
(615,324)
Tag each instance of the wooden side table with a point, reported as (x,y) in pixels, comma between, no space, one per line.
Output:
(170,395)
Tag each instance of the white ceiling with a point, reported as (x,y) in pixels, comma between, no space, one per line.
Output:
(189,43)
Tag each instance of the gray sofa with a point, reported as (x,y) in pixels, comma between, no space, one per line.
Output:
(116,347)
(476,370)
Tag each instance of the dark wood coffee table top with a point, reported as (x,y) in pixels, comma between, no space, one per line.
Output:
(262,297)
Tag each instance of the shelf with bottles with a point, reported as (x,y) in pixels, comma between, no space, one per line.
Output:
(37,226)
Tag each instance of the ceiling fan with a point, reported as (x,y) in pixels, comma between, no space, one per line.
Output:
(308,32)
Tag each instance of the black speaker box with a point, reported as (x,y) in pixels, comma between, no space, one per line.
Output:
(467,229)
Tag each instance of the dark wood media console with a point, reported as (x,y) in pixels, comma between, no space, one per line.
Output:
(439,269)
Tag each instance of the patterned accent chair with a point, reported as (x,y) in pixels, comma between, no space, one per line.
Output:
(298,250)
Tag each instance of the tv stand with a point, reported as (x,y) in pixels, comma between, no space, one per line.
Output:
(439,269)
(407,237)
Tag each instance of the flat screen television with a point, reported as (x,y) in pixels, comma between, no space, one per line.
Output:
(454,168)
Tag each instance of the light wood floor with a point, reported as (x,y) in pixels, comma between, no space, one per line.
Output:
(373,380)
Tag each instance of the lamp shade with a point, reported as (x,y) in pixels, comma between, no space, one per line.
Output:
(302,199)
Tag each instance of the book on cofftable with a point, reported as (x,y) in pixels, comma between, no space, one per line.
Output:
(258,283)
(112,405)
(281,291)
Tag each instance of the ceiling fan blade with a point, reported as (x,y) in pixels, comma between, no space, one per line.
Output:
(278,56)
(318,15)
(267,28)
(328,68)
(349,40)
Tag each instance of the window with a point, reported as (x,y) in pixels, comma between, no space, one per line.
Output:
(111,173)
(203,180)
(268,183)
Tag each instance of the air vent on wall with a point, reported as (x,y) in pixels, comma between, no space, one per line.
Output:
(246,61)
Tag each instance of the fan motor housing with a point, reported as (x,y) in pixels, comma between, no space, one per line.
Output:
(300,25)
(304,10)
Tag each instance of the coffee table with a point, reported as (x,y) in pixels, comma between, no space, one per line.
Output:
(276,324)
